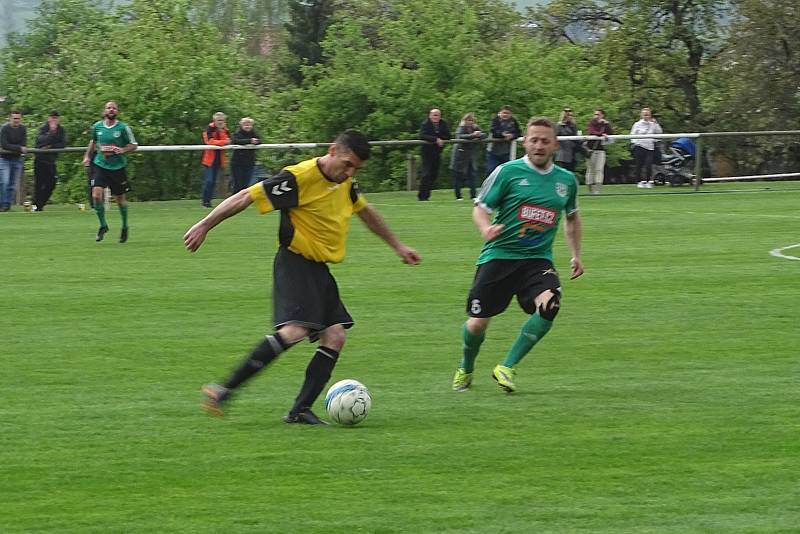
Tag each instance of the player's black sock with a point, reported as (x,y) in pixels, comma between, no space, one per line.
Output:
(262,355)
(318,373)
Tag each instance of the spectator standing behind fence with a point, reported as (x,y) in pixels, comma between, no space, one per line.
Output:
(213,161)
(111,140)
(568,151)
(644,150)
(243,161)
(13,139)
(436,132)
(50,135)
(596,163)
(463,162)
(504,129)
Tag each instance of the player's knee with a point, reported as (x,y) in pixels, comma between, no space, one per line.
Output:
(293,333)
(333,337)
(549,305)
(477,325)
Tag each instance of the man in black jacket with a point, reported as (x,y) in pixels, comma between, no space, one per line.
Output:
(436,132)
(50,135)
(243,161)
(504,129)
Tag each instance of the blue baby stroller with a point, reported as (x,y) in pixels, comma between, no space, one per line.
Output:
(675,165)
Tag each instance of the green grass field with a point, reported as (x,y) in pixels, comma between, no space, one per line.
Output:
(665,399)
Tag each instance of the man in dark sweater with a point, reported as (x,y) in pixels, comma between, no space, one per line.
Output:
(243,161)
(436,132)
(504,129)
(13,142)
(50,135)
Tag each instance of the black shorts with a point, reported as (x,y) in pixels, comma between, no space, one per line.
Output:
(116,180)
(496,281)
(305,293)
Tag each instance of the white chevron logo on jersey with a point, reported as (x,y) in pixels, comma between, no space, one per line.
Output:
(281,188)
(524,181)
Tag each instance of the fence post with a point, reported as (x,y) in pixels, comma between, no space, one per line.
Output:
(698,163)
(411,172)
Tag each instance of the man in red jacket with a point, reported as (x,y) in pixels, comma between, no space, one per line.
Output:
(214,160)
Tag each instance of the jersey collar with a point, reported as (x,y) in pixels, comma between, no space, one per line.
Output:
(533,168)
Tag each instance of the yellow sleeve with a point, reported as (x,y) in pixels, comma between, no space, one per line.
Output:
(259,197)
(360,203)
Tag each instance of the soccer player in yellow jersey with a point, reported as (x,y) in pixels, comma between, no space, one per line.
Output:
(316,199)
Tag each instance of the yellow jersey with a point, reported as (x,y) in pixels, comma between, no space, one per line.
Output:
(315,211)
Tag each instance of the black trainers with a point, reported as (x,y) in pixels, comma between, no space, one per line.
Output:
(123,235)
(305,417)
(101,233)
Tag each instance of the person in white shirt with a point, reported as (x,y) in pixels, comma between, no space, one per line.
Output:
(644,149)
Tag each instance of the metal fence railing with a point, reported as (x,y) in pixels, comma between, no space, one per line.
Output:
(698,137)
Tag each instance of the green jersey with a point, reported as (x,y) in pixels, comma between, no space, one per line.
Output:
(119,134)
(529,203)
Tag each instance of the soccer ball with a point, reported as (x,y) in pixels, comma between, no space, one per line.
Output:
(348,402)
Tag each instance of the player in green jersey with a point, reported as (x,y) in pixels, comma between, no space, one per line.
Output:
(517,212)
(111,140)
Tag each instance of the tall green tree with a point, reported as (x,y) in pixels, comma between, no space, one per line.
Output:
(306,28)
(755,85)
(168,73)
(653,50)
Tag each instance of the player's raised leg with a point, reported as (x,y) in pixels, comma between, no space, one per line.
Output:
(260,357)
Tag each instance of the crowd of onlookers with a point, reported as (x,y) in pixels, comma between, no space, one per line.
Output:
(495,142)
(505,128)
(51,135)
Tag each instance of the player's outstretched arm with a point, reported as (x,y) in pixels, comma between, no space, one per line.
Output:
(572,231)
(373,220)
(227,208)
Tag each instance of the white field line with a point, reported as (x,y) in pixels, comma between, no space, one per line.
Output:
(778,252)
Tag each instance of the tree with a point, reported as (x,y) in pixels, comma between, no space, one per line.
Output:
(308,22)
(755,85)
(168,73)
(654,50)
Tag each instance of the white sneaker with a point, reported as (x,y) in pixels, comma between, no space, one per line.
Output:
(648,185)
(640,185)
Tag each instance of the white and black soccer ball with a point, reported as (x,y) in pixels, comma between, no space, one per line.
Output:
(348,402)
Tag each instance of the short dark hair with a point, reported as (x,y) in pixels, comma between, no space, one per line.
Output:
(53,113)
(15,112)
(505,108)
(541,121)
(354,141)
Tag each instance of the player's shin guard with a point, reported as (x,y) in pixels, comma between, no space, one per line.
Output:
(533,330)
(264,353)
(471,345)
(318,373)
(123,210)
